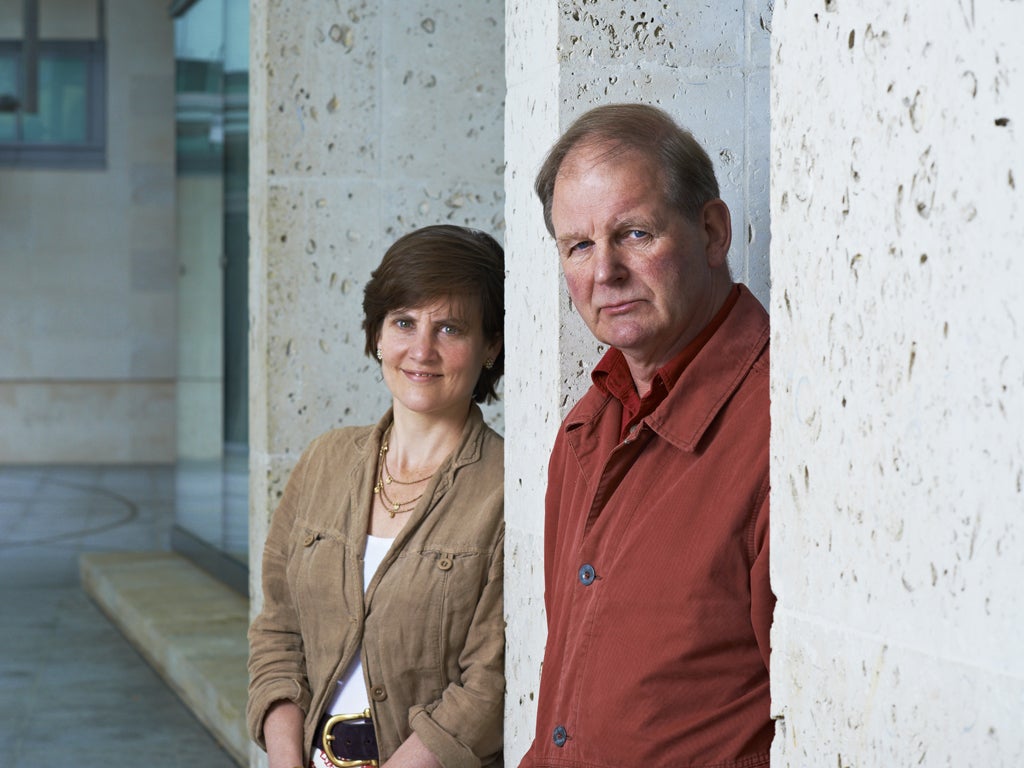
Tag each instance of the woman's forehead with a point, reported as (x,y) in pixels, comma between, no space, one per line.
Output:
(454,306)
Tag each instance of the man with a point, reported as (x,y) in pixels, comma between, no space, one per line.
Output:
(656,534)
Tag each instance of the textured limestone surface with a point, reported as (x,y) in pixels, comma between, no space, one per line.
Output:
(897,383)
(707,65)
(533,349)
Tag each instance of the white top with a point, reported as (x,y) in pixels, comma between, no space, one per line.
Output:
(350,695)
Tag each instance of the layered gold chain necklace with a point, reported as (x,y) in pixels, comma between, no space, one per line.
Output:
(385,478)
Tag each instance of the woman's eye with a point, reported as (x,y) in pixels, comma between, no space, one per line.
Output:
(403,322)
(450,330)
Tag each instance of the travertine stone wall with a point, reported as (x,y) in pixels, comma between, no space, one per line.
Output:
(707,64)
(897,383)
(88,269)
(368,119)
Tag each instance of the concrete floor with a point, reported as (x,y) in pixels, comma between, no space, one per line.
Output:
(72,689)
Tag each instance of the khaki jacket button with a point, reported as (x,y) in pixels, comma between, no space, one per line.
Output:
(378,693)
(310,538)
(445,563)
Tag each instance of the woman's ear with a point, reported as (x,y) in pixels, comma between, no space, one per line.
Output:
(493,349)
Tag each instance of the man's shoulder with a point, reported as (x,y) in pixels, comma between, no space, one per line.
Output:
(593,402)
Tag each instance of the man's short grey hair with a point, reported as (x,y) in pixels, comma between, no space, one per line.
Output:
(689,176)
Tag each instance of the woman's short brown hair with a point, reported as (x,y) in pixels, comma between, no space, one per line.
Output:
(441,262)
(687,170)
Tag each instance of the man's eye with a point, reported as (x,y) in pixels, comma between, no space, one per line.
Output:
(636,234)
(580,246)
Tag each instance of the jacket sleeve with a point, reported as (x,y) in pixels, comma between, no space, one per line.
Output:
(465,724)
(552,507)
(762,599)
(552,504)
(277,662)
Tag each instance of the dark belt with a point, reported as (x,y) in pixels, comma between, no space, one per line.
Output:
(348,740)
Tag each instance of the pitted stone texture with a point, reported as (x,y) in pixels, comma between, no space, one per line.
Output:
(889,704)
(323,102)
(897,396)
(533,351)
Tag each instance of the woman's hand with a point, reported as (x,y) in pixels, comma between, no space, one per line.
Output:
(282,730)
(412,754)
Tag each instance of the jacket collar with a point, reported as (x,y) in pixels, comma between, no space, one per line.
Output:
(469,450)
(705,386)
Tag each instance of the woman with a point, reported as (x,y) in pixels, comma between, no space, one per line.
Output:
(382,571)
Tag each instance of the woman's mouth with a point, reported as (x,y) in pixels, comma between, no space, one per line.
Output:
(421,375)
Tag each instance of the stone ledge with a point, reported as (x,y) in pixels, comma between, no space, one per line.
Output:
(190,627)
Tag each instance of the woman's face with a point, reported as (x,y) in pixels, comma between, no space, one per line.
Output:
(432,356)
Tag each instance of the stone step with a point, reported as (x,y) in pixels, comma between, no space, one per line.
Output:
(190,627)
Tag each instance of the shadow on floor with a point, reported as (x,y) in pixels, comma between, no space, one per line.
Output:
(72,688)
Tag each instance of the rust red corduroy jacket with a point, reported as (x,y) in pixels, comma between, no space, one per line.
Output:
(656,571)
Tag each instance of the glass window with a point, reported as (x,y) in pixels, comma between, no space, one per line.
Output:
(69,128)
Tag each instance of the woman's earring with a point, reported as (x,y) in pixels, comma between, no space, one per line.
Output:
(380,355)
(489,363)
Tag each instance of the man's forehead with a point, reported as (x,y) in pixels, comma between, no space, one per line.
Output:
(624,201)
(592,153)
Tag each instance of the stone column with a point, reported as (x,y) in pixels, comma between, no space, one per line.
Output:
(368,119)
(897,383)
(708,66)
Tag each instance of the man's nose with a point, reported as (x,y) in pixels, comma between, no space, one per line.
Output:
(609,266)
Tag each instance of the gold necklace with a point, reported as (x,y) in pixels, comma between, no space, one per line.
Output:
(387,476)
(384,478)
(394,507)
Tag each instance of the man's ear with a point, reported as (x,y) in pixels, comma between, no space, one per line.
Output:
(717,223)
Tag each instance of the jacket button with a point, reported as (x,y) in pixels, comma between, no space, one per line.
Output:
(587,574)
(560,736)
(308,541)
(445,563)
(378,693)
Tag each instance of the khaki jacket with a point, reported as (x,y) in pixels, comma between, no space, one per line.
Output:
(430,627)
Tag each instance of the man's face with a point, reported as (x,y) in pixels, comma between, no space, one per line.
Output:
(639,272)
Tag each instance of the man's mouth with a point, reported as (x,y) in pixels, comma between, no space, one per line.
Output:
(620,307)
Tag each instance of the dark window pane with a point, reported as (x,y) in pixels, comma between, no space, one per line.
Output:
(9,88)
(69,127)
(62,117)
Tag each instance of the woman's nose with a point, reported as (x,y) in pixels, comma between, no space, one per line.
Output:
(423,344)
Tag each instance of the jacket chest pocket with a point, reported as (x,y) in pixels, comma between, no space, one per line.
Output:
(319,566)
(431,595)
(455,580)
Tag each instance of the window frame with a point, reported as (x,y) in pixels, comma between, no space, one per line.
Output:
(90,154)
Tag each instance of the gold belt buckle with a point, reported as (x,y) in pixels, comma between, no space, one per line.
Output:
(328,737)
